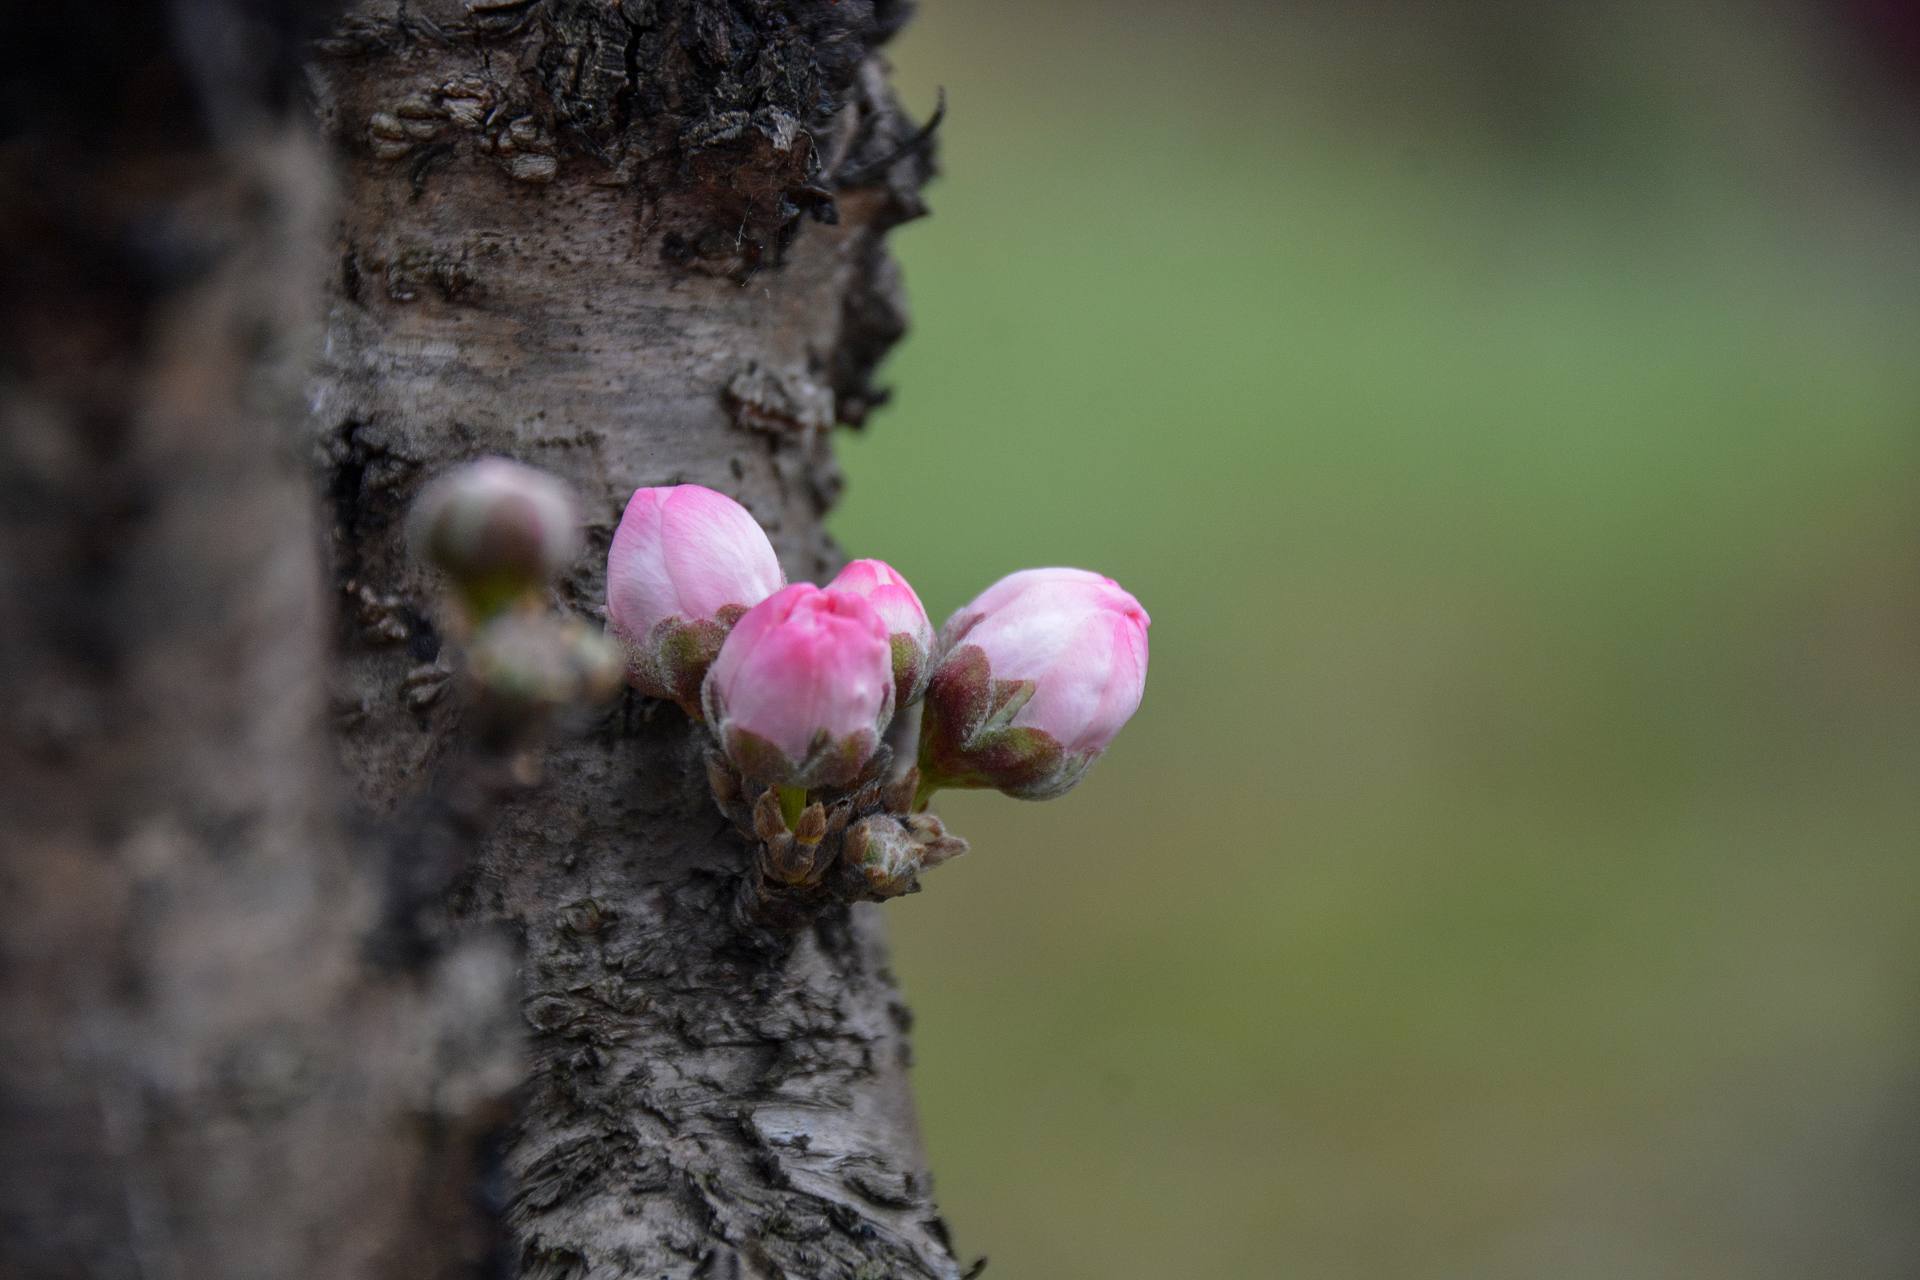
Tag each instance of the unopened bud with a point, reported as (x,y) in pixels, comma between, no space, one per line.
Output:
(500,530)
(909,633)
(802,689)
(685,564)
(935,844)
(1037,676)
(883,855)
(768,822)
(812,827)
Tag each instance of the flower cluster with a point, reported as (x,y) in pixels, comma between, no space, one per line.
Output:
(835,712)
(1023,689)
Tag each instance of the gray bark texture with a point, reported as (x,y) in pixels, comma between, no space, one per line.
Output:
(298,979)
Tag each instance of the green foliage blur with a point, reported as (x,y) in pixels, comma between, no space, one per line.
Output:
(1510,416)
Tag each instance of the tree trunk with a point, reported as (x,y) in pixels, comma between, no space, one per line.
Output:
(257,1022)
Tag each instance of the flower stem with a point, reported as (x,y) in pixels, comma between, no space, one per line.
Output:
(793,801)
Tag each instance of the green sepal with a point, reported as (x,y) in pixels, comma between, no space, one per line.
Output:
(968,738)
(489,595)
(909,670)
(673,661)
(829,762)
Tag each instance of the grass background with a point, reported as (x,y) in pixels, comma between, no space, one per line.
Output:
(1512,422)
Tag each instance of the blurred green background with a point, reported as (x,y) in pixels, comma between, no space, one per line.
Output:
(1510,415)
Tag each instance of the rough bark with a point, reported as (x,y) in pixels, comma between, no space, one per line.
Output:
(633,246)
(261,1012)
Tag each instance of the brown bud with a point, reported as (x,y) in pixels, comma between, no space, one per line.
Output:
(943,849)
(791,862)
(785,860)
(932,844)
(855,847)
(881,853)
(812,827)
(768,823)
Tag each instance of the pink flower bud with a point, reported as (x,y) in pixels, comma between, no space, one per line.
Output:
(685,563)
(1036,677)
(803,688)
(909,632)
(500,530)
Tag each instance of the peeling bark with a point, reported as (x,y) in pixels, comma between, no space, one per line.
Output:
(294,982)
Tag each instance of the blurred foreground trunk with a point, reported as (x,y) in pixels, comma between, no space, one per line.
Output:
(272,1004)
